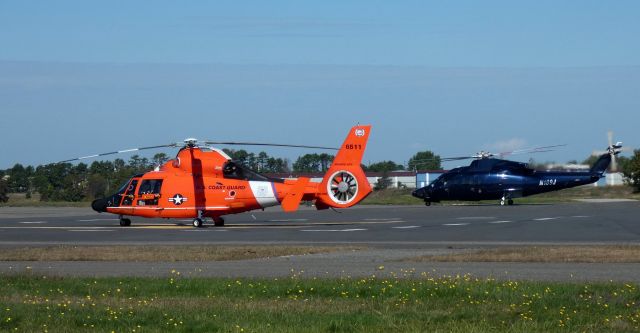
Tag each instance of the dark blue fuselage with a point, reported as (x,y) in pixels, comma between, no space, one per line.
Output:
(491,179)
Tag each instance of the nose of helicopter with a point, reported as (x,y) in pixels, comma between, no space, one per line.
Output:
(99,205)
(419,193)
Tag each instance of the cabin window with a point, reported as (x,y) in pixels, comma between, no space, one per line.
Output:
(233,170)
(149,192)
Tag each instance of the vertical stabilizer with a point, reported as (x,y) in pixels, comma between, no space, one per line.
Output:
(345,183)
(601,164)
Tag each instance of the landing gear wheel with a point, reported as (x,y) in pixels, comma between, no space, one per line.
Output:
(197,223)
(218,221)
(427,203)
(502,202)
(510,202)
(125,222)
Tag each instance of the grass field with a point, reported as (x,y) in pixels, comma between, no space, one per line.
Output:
(149,253)
(20,200)
(546,254)
(170,253)
(426,304)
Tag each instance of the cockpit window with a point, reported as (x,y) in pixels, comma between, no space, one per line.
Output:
(123,187)
(149,192)
(234,170)
(150,186)
(130,193)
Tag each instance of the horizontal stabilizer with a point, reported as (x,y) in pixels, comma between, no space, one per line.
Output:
(291,201)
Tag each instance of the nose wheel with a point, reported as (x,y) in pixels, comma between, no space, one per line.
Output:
(124,222)
(506,201)
(218,221)
(197,222)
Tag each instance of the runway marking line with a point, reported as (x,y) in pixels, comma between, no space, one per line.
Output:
(65,228)
(261,225)
(499,222)
(455,224)
(160,227)
(475,218)
(137,226)
(546,219)
(33,222)
(382,220)
(87,230)
(407,227)
(332,230)
(95,220)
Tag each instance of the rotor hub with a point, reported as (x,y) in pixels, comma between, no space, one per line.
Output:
(190,142)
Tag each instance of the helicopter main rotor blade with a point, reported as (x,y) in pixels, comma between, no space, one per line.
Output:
(265,144)
(483,154)
(542,149)
(459,158)
(171,145)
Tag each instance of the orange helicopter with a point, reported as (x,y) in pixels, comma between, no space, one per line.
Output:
(203,182)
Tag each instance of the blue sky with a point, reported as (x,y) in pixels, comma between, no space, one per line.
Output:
(79,77)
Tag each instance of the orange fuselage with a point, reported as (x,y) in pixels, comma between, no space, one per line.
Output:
(195,182)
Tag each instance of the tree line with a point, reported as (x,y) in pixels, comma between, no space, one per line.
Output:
(69,182)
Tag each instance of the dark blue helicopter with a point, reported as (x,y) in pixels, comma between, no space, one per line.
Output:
(489,178)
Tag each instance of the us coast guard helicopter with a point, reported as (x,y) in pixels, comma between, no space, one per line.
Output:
(488,178)
(203,182)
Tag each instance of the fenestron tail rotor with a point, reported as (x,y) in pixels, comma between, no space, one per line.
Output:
(343,187)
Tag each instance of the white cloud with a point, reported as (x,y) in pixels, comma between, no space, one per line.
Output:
(507,145)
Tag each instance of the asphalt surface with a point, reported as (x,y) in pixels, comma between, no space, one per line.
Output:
(385,226)
(391,234)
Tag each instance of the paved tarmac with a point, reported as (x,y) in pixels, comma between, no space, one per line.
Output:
(390,234)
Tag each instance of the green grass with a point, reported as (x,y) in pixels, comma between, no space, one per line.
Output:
(20,200)
(403,196)
(166,253)
(422,304)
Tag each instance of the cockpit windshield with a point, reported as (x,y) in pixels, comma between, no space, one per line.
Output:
(125,185)
(438,181)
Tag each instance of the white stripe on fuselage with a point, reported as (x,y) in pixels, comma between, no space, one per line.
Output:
(263,192)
